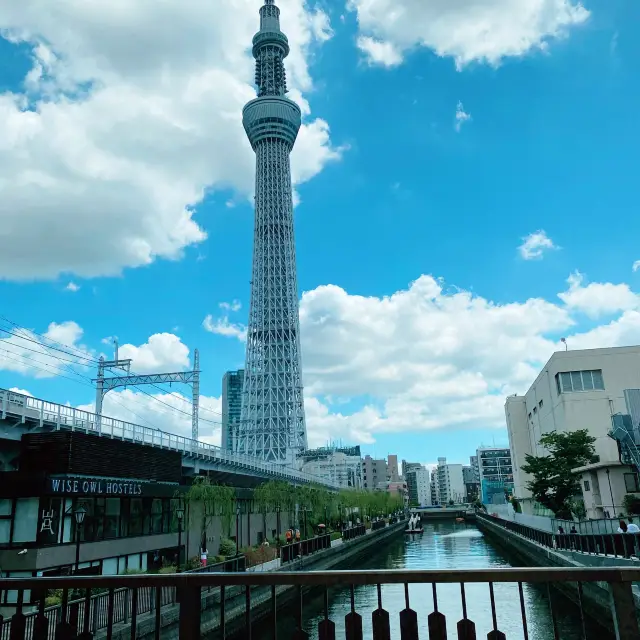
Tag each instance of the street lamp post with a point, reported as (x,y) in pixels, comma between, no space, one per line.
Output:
(278,526)
(179,516)
(79,514)
(306,534)
(237,530)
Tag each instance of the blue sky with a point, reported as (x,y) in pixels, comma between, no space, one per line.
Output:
(127,174)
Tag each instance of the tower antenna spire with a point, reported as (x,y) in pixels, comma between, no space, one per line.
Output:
(272,422)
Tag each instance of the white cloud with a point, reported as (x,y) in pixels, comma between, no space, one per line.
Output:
(535,244)
(234,306)
(170,412)
(24,392)
(597,299)
(73,287)
(379,53)
(461,117)
(466,30)
(22,351)
(129,115)
(162,353)
(223,327)
(636,266)
(428,358)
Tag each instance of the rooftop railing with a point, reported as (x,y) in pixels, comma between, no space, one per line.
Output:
(64,417)
(407,603)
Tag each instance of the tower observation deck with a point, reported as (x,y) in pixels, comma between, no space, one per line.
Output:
(272,424)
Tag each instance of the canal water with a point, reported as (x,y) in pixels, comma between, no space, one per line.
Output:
(445,545)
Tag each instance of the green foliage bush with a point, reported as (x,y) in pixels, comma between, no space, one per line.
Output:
(227,548)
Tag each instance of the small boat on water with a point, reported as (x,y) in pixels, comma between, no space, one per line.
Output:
(414,526)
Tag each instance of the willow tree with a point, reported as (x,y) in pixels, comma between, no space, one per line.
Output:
(271,496)
(213,500)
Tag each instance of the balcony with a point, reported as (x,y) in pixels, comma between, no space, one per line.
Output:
(233,603)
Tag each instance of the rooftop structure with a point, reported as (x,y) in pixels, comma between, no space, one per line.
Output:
(272,425)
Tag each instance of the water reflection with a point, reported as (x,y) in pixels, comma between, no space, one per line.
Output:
(446,546)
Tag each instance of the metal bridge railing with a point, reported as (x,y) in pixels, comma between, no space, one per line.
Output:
(479,602)
(28,408)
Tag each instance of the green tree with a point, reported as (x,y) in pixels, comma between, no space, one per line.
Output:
(213,500)
(554,485)
(632,504)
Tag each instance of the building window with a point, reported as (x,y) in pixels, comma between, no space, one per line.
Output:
(587,486)
(631,482)
(540,404)
(573,381)
(535,409)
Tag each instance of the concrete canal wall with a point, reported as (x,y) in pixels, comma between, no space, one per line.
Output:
(596,595)
(341,554)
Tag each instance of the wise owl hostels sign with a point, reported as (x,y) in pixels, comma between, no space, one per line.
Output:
(93,487)
(106,487)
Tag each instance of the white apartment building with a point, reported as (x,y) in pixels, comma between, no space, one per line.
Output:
(419,485)
(448,484)
(423,485)
(580,389)
(341,466)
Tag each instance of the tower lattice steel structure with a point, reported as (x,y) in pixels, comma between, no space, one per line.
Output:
(272,424)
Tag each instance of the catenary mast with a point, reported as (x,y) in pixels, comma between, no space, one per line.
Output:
(272,423)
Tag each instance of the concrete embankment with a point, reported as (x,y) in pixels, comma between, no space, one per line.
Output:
(342,554)
(595,595)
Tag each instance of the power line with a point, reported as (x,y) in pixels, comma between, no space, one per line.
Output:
(79,353)
(95,362)
(59,375)
(17,335)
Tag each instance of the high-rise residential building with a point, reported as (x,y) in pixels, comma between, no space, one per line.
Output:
(393,474)
(473,462)
(496,474)
(408,466)
(340,465)
(232,383)
(449,482)
(272,425)
(581,389)
(374,472)
(471,485)
(419,486)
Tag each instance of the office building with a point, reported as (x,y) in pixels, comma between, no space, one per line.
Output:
(374,472)
(232,382)
(580,389)
(496,474)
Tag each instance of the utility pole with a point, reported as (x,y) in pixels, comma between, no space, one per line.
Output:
(105,384)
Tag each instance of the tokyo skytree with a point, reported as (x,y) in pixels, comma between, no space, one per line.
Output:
(272,425)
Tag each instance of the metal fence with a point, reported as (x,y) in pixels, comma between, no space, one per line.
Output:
(96,609)
(618,545)
(354,532)
(290,552)
(262,593)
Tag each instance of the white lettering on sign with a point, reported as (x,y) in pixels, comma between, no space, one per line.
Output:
(96,487)
(47,521)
